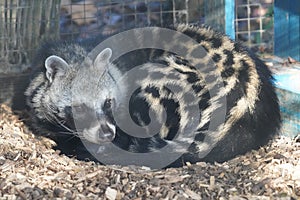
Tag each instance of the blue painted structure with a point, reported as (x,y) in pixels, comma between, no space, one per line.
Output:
(287,43)
(229,18)
(220,14)
(287,28)
(288,91)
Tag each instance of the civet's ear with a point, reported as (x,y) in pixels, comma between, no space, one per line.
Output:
(55,66)
(103,57)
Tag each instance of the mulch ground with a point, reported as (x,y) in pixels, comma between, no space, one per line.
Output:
(31,169)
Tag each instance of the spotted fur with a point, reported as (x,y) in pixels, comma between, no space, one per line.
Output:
(242,85)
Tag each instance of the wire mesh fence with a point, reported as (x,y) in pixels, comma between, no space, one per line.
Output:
(254,24)
(24,24)
(87,18)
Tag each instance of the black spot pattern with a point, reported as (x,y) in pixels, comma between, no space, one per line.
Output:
(197,36)
(173,117)
(229,58)
(216,42)
(216,57)
(139,109)
(153,91)
(192,77)
(243,77)
(203,102)
(197,88)
(200,137)
(227,72)
(181,61)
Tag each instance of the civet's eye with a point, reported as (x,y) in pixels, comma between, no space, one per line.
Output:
(107,104)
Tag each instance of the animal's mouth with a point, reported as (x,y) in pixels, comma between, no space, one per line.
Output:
(101,133)
(106,137)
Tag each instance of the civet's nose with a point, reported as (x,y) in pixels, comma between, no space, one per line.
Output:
(107,132)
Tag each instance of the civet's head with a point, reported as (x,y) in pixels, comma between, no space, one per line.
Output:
(85,95)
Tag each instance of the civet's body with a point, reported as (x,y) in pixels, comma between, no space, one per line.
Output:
(96,92)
